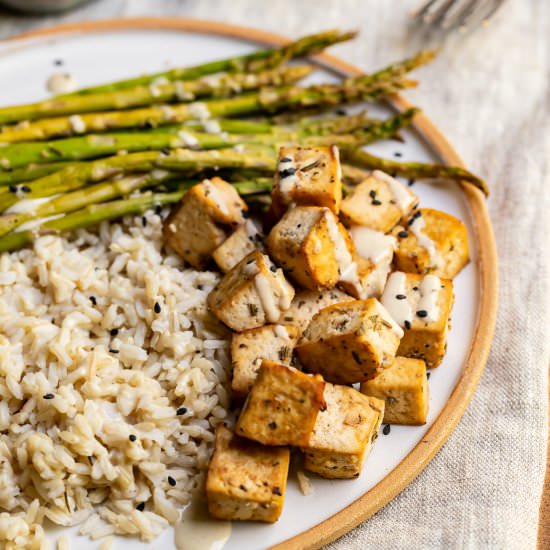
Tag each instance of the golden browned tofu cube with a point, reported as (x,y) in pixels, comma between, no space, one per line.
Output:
(246,480)
(312,247)
(404,388)
(244,240)
(203,219)
(249,348)
(374,251)
(343,433)
(379,202)
(253,293)
(421,305)
(432,242)
(307,303)
(282,406)
(350,342)
(307,176)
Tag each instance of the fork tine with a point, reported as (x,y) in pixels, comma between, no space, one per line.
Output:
(461,15)
(436,16)
(425,8)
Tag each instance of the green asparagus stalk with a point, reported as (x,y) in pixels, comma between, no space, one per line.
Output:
(267,100)
(180,91)
(251,63)
(91,215)
(252,157)
(363,159)
(28,173)
(362,131)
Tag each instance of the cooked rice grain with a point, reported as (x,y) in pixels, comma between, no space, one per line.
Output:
(88,423)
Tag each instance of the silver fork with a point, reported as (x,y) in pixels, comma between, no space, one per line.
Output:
(449,15)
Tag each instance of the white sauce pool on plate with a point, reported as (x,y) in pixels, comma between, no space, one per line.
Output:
(61,83)
(196,530)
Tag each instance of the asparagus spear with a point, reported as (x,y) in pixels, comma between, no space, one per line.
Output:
(90,215)
(363,159)
(267,100)
(28,173)
(362,130)
(251,63)
(213,86)
(73,177)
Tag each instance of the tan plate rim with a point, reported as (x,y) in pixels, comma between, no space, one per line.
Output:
(418,458)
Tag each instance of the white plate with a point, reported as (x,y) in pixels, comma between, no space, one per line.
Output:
(95,57)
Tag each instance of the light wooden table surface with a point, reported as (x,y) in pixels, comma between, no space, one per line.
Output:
(490,98)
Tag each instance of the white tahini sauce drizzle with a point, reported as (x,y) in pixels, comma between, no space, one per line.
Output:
(215,194)
(78,125)
(336,154)
(61,83)
(399,308)
(28,206)
(416,224)
(404,200)
(188,139)
(196,530)
(429,292)
(424,299)
(372,245)
(275,294)
(281,332)
(199,110)
(346,266)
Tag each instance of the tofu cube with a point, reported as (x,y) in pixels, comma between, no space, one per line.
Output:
(404,388)
(307,303)
(245,239)
(249,348)
(246,480)
(282,406)
(374,251)
(350,342)
(432,242)
(311,246)
(421,305)
(379,202)
(307,176)
(343,433)
(203,219)
(253,293)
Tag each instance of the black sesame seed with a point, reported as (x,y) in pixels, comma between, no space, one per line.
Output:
(200,287)
(417,214)
(415,288)
(157,308)
(48,396)
(272,425)
(114,350)
(158,209)
(286,159)
(273,268)
(341,112)
(408,325)
(376,202)
(25,189)
(132,437)
(171,481)
(400,297)
(181,411)
(276,491)
(428,375)
(422,313)
(144,221)
(165,151)
(411,182)
(386,429)
(58,62)
(402,234)
(141,506)
(13,188)
(114,331)
(93,300)
(287,172)
(398,154)
(372,194)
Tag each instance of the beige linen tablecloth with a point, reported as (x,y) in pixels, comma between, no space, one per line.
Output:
(491,97)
